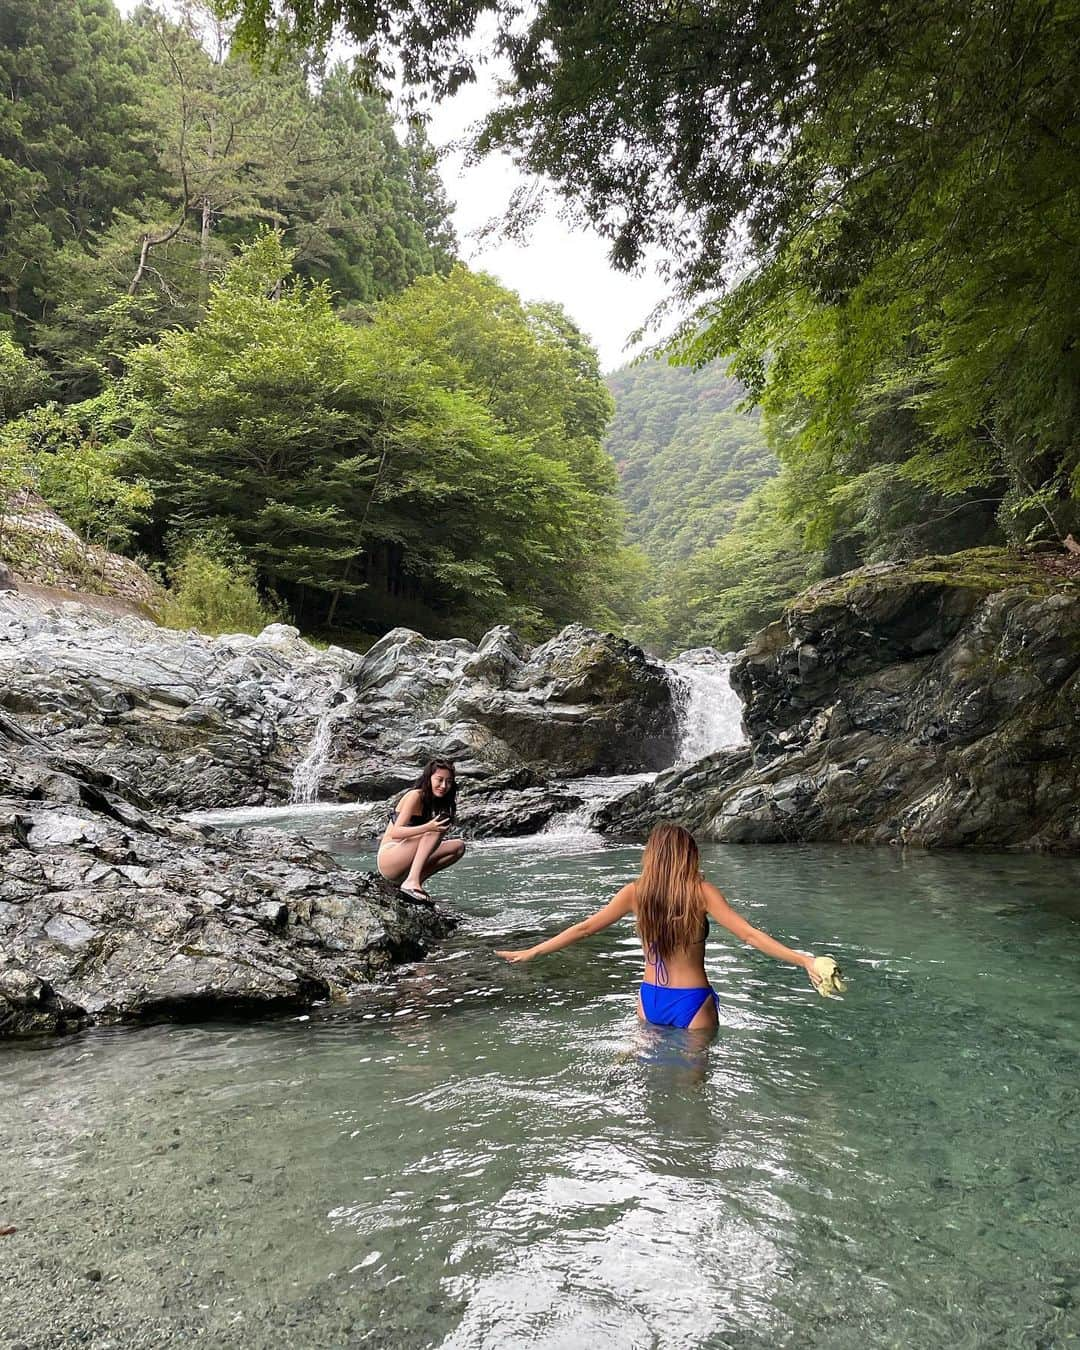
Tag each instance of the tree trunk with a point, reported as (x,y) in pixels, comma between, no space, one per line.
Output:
(204,254)
(337,595)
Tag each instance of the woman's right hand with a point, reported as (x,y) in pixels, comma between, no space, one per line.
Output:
(437,826)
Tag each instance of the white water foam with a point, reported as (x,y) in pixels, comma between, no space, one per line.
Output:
(576,825)
(309,773)
(293,815)
(709,710)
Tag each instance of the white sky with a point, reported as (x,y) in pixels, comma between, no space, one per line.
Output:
(557,262)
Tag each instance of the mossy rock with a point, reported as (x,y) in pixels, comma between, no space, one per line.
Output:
(980,570)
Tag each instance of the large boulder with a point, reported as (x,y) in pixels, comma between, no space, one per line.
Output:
(934,703)
(187,720)
(194,722)
(584,702)
(109,913)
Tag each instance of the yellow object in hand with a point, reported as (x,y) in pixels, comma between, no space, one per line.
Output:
(830,982)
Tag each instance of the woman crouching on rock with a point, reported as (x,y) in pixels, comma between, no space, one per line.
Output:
(414,843)
(672,904)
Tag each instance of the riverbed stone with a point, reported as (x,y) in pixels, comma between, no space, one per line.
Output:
(934,703)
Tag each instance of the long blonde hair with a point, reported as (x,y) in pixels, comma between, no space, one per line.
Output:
(668,895)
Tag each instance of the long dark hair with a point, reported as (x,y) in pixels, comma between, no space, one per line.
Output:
(430,805)
(669,898)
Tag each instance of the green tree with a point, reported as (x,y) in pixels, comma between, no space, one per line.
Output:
(387,488)
(883,197)
(721,595)
(75,141)
(529,364)
(23,380)
(136,155)
(72,458)
(213,595)
(687,456)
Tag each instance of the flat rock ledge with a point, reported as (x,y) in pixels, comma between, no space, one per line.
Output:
(109,913)
(934,703)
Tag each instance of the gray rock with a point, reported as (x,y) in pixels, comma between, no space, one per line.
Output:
(929,704)
(185,722)
(109,913)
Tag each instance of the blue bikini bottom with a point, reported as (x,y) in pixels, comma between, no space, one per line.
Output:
(666,1007)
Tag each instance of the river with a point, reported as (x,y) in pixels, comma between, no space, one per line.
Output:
(488,1156)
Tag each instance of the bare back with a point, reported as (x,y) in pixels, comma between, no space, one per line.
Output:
(684,969)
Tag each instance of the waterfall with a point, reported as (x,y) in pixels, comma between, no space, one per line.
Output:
(576,825)
(308,774)
(709,711)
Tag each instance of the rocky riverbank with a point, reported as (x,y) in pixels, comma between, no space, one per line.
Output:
(933,703)
(110,913)
(195,722)
(113,909)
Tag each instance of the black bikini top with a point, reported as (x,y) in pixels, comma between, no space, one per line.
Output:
(420,819)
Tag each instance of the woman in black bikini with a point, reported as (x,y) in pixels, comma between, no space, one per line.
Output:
(414,843)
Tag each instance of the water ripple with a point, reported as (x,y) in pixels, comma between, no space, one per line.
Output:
(486,1156)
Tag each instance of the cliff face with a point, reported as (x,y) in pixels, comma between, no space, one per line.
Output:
(934,703)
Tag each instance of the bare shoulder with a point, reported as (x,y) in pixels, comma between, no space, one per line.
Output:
(714,897)
(411,799)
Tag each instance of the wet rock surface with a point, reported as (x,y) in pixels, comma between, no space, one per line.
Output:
(109,913)
(187,720)
(935,703)
(505,805)
(585,702)
(193,722)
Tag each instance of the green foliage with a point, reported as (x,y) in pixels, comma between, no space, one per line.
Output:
(531,366)
(350,464)
(687,457)
(883,199)
(136,154)
(70,457)
(23,380)
(75,140)
(539,378)
(214,596)
(720,596)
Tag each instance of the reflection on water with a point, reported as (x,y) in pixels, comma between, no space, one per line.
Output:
(483,1155)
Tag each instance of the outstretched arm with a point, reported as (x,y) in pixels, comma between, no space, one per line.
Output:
(721,911)
(617,908)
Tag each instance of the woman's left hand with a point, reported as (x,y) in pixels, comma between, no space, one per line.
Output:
(515,957)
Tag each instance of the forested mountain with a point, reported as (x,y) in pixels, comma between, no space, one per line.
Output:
(686,456)
(234,341)
(135,155)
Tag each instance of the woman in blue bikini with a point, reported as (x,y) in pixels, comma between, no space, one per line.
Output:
(672,904)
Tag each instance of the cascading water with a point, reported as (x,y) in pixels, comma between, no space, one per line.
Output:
(308,774)
(709,710)
(577,823)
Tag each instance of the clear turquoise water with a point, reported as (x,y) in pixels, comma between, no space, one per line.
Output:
(493,1156)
